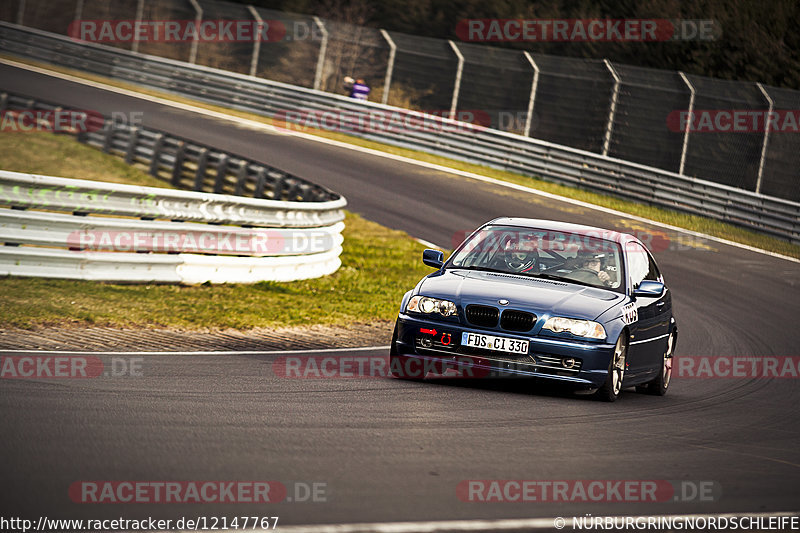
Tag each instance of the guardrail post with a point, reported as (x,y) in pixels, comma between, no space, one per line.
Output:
(200,174)
(612,108)
(139,16)
(108,141)
(21,12)
(198,19)
(766,137)
(257,43)
(82,135)
(457,87)
(689,119)
(222,172)
(261,179)
(133,141)
(155,162)
(532,98)
(323,48)
(177,168)
(241,179)
(387,82)
(278,184)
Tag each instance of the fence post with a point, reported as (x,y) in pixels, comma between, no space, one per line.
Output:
(198,20)
(766,137)
(79,10)
(21,12)
(534,86)
(139,17)
(457,87)
(612,108)
(387,82)
(257,43)
(689,119)
(323,48)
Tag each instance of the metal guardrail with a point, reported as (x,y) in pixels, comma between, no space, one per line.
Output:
(179,161)
(445,137)
(80,229)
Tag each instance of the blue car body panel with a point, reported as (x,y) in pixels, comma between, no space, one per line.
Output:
(646,321)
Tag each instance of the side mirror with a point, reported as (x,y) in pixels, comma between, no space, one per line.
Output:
(651,289)
(433,258)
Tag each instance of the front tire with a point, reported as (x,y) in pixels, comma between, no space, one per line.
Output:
(400,366)
(611,389)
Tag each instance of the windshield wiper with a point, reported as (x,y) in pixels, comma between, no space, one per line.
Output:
(561,278)
(482,269)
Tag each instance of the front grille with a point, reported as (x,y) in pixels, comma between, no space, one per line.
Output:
(482,315)
(514,320)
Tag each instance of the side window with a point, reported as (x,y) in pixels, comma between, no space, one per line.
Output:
(652,270)
(638,263)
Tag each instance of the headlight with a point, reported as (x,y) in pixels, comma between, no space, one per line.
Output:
(579,328)
(425,304)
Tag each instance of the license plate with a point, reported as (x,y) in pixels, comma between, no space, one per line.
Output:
(498,344)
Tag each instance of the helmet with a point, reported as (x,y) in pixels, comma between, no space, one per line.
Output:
(585,256)
(520,255)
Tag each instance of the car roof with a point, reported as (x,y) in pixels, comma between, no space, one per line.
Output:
(553,225)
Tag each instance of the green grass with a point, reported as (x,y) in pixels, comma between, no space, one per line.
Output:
(61,155)
(690,222)
(378,266)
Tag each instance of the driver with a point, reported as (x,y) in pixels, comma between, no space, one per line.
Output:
(591,262)
(521,255)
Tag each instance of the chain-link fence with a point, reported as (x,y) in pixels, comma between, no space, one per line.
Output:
(739,134)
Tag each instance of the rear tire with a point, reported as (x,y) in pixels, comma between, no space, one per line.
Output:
(611,389)
(659,386)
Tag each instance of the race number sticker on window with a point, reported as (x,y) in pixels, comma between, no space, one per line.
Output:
(630,314)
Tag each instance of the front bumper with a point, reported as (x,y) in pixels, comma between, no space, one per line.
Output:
(583,364)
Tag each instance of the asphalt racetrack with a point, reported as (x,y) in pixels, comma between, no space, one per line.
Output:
(386,450)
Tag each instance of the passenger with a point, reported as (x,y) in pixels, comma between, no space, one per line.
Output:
(521,256)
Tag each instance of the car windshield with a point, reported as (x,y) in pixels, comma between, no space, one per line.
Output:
(584,258)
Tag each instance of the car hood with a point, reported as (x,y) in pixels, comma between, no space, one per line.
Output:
(539,296)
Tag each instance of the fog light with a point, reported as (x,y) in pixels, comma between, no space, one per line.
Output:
(426,342)
(568,362)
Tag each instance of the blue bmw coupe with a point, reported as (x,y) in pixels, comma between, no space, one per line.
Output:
(521,297)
